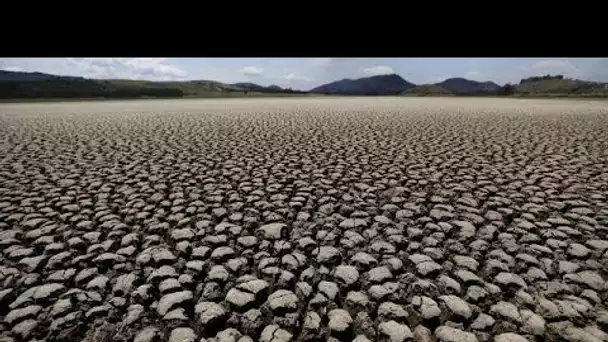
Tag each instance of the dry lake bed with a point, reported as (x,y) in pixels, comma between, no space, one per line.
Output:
(318,219)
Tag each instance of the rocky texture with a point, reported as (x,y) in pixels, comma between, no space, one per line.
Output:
(304,220)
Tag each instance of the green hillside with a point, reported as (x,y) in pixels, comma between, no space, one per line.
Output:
(20,85)
(427,90)
(188,88)
(559,86)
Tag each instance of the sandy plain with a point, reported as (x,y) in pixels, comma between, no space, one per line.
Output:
(316,219)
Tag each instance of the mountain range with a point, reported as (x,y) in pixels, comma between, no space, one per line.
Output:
(395,85)
(36,85)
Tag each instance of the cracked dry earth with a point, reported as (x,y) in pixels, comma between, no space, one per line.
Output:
(342,219)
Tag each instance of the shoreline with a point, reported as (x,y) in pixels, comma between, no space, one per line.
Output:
(262,96)
(105,99)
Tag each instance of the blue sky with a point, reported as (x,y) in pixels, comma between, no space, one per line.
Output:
(305,73)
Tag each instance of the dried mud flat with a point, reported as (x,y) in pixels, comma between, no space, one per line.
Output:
(344,219)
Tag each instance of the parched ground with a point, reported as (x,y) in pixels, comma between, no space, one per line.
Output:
(336,219)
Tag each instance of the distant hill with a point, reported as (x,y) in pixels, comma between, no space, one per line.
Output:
(462,86)
(559,86)
(35,85)
(455,87)
(428,90)
(392,84)
(250,86)
(200,88)
(263,89)
(537,86)
(21,76)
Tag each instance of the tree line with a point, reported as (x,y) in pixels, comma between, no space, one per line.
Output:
(267,90)
(541,78)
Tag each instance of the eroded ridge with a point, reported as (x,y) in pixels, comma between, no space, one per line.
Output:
(341,219)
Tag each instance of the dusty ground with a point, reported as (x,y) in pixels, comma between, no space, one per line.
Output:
(377,219)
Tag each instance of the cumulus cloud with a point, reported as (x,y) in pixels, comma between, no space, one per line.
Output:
(552,66)
(571,68)
(251,71)
(13,68)
(291,76)
(590,69)
(159,69)
(378,70)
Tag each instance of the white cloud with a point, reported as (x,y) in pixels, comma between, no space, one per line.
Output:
(13,68)
(590,69)
(295,77)
(378,70)
(158,69)
(251,71)
(552,66)
(538,67)
(327,61)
